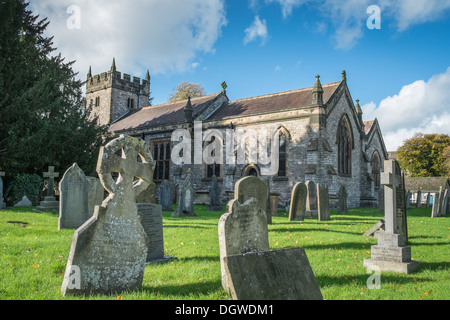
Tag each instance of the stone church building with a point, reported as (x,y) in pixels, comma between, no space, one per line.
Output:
(322,136)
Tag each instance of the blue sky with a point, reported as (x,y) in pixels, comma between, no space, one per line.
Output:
(400,72)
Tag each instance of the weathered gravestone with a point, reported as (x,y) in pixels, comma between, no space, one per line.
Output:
(297,209)
(391,254)
(152,222)
(323,202)
(342,206)
(73,199)
(441,202)
(427,204)
(377,226)
(148,195)
(254,187)
(435,208)
(186,197)
(242,229)
(49,203)
(408,199)
(215,196)
(25,202)
(311,200)
(381,200)
(444,204)
(165,195)
(2,201)
(419,198)
(96,194)
(272,275)
(108,252)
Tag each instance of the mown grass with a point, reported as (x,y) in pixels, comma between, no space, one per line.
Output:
(33,257)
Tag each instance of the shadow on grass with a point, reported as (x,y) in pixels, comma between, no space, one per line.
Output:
(185,290)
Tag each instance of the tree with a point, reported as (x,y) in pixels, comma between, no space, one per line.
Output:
(42,106)
(186,90)
(423,155)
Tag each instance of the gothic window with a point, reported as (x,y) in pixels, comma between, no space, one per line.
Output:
(161,155)
(376,167)
(212,169)
(345,146)
(282,155)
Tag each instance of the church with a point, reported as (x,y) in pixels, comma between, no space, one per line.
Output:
(319,130)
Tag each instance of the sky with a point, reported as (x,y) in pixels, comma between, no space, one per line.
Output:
(396,53)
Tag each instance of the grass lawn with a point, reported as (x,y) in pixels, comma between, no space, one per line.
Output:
(33,256)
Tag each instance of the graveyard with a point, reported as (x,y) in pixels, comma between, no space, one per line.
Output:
(34,255)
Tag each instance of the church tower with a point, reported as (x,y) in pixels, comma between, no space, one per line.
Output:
(109,95)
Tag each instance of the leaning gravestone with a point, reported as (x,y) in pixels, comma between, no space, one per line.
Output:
(152,222)
(311,200)
(272,275)
(444,204)
(342,208)
(254,187)
(108,252)
(242,229)
(297,209)
(2,201)
(215,196)
(391,254)
(165,195)
(186,197)
(96,194)
(323,202)
(377,226)
(50,203)
(73,199)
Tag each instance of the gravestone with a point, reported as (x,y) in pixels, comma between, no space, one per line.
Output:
(186,197)
(272,275)
(73,199)
(254,187)
(419,199)
(50,203)
(427,204)
(435,208)
(96,194)
(323,202)
(108,252)
(342,200)
(148,195)
(408,199)
(273,203)
(2,201)
(444,204)
(297,209)
(381,200)
(311,200)
(25,202)
(242,229)
(152,222)
(165,195)
(391,254)
(441,201)
(377,226)
(215,196)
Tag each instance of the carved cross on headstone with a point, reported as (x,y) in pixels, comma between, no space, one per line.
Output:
(51,175)
(389,179)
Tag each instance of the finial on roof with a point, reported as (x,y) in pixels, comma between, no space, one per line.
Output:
(358,107)
(113,66)
(147,76)
(224,87)
(317,92)
(344,75)
(89,75)
(188,110)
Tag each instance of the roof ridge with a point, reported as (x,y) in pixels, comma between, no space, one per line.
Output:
(283,92)
(172,103)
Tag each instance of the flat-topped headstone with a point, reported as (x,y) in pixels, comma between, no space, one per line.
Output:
(272,275)
(96,194)
(108,252)
(242,229)
(297,209)
(435,208)
(391,254)
(342,199)
(73,199)
(273,201)
(215,196)
(323,202)
(2,201)
(25,202)
(254,187)
(152,222)
(166,195)
(186,197)
(311,200)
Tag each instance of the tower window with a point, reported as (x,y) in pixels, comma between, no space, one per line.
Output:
(97,101)
(130,103)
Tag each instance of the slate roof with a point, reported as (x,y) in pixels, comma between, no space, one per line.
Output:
(426,184)
(273,102)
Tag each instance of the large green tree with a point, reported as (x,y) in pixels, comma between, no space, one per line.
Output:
(42,119)
(423,155)
(185,90)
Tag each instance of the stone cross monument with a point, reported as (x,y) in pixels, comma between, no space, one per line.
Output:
(49,203)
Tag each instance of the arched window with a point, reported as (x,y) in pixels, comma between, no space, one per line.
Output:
(282,155)
(345,146)
(376,167)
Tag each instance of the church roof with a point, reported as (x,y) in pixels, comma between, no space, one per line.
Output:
(272,102)
(368,126)
(426,184)
(160,115)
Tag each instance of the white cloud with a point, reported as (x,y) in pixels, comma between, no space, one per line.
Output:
(258,29)
(418,107)
(164,36)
